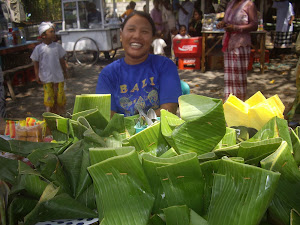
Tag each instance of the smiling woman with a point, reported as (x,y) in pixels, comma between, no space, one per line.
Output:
(140,80)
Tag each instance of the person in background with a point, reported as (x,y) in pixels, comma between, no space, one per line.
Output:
(195,26)
(239,20)
(156,16)
(169,20)
(94,16)
(185,12)
(128,11)
(182,33)
(174,32)
(140,80)
(158,45)
(284,25)
(50,69)
(222,6)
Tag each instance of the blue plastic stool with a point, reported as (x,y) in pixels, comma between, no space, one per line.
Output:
(185,87)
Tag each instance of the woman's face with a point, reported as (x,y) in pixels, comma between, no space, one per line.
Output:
(136,38)
(196,16)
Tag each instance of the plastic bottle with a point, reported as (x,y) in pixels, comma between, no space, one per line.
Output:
(22,35)
(10,39)
(261,25)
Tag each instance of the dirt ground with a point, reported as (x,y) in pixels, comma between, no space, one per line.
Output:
(279,78)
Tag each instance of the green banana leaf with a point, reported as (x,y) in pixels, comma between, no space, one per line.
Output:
(296,146)
(115,179)
(183,215)
(116,124)
(207,157)
(71,160)
(274,128)
(156,220)
(53,171)
(241,193)
(170,153)
(8,170)
(254,152)
(30,181)
(19,208)
(150,165)
(295,217)
(129,122)
(183,183)
(208,168)
(228,140)
(169,122)
(88,197)
(204,127)
(179,214)
(231,151)
(89,101)
(287,196)
(60,206)
(150,140)
(94,117)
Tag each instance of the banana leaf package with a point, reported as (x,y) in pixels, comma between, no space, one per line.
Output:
(187,170)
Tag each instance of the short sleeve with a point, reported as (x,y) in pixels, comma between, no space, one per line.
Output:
(34,55)
(291,10)
(170,88)
(104,86)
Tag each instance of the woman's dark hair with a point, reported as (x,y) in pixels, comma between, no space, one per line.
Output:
(182,26)
(141,14)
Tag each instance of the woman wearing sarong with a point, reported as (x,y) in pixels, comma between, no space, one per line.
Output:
(239,20)
(284,24)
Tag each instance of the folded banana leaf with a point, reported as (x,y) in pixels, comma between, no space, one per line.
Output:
(169,122)
(170,153)
(183,215)
(19,208)
(156,220)
(287,196)
(151,165)
(183,183)
(295,217)
(90,101)
(150,140)
(123,194)
(296,146)
(228,140)
(8,170)
(274,128)
(204,127)
(241,193)
(57,206)
(94,117)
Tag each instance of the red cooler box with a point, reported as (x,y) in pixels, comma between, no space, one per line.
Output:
(188,51)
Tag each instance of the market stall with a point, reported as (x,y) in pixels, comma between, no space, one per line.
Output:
(86,39)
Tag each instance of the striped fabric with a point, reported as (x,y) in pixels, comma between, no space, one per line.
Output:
(283,40)
(236,67)
(2,101)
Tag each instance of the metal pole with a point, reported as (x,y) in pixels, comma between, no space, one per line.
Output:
(202,6)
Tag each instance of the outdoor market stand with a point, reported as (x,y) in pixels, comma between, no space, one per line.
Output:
(14,59)
(86,40)
(219,34)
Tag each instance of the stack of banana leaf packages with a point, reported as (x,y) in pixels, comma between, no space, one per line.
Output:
(187,170)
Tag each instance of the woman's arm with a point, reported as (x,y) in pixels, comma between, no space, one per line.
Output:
(252,18)
(36,66)
(171,107)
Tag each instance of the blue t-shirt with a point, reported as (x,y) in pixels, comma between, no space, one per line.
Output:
(146,85)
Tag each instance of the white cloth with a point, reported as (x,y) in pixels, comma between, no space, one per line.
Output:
(158,46)
(284,12)
(44,26)
(184,19)
(48,57)
(179,36)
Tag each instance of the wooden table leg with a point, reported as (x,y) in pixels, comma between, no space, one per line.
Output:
(10,89)
(262,52)
(203,53)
